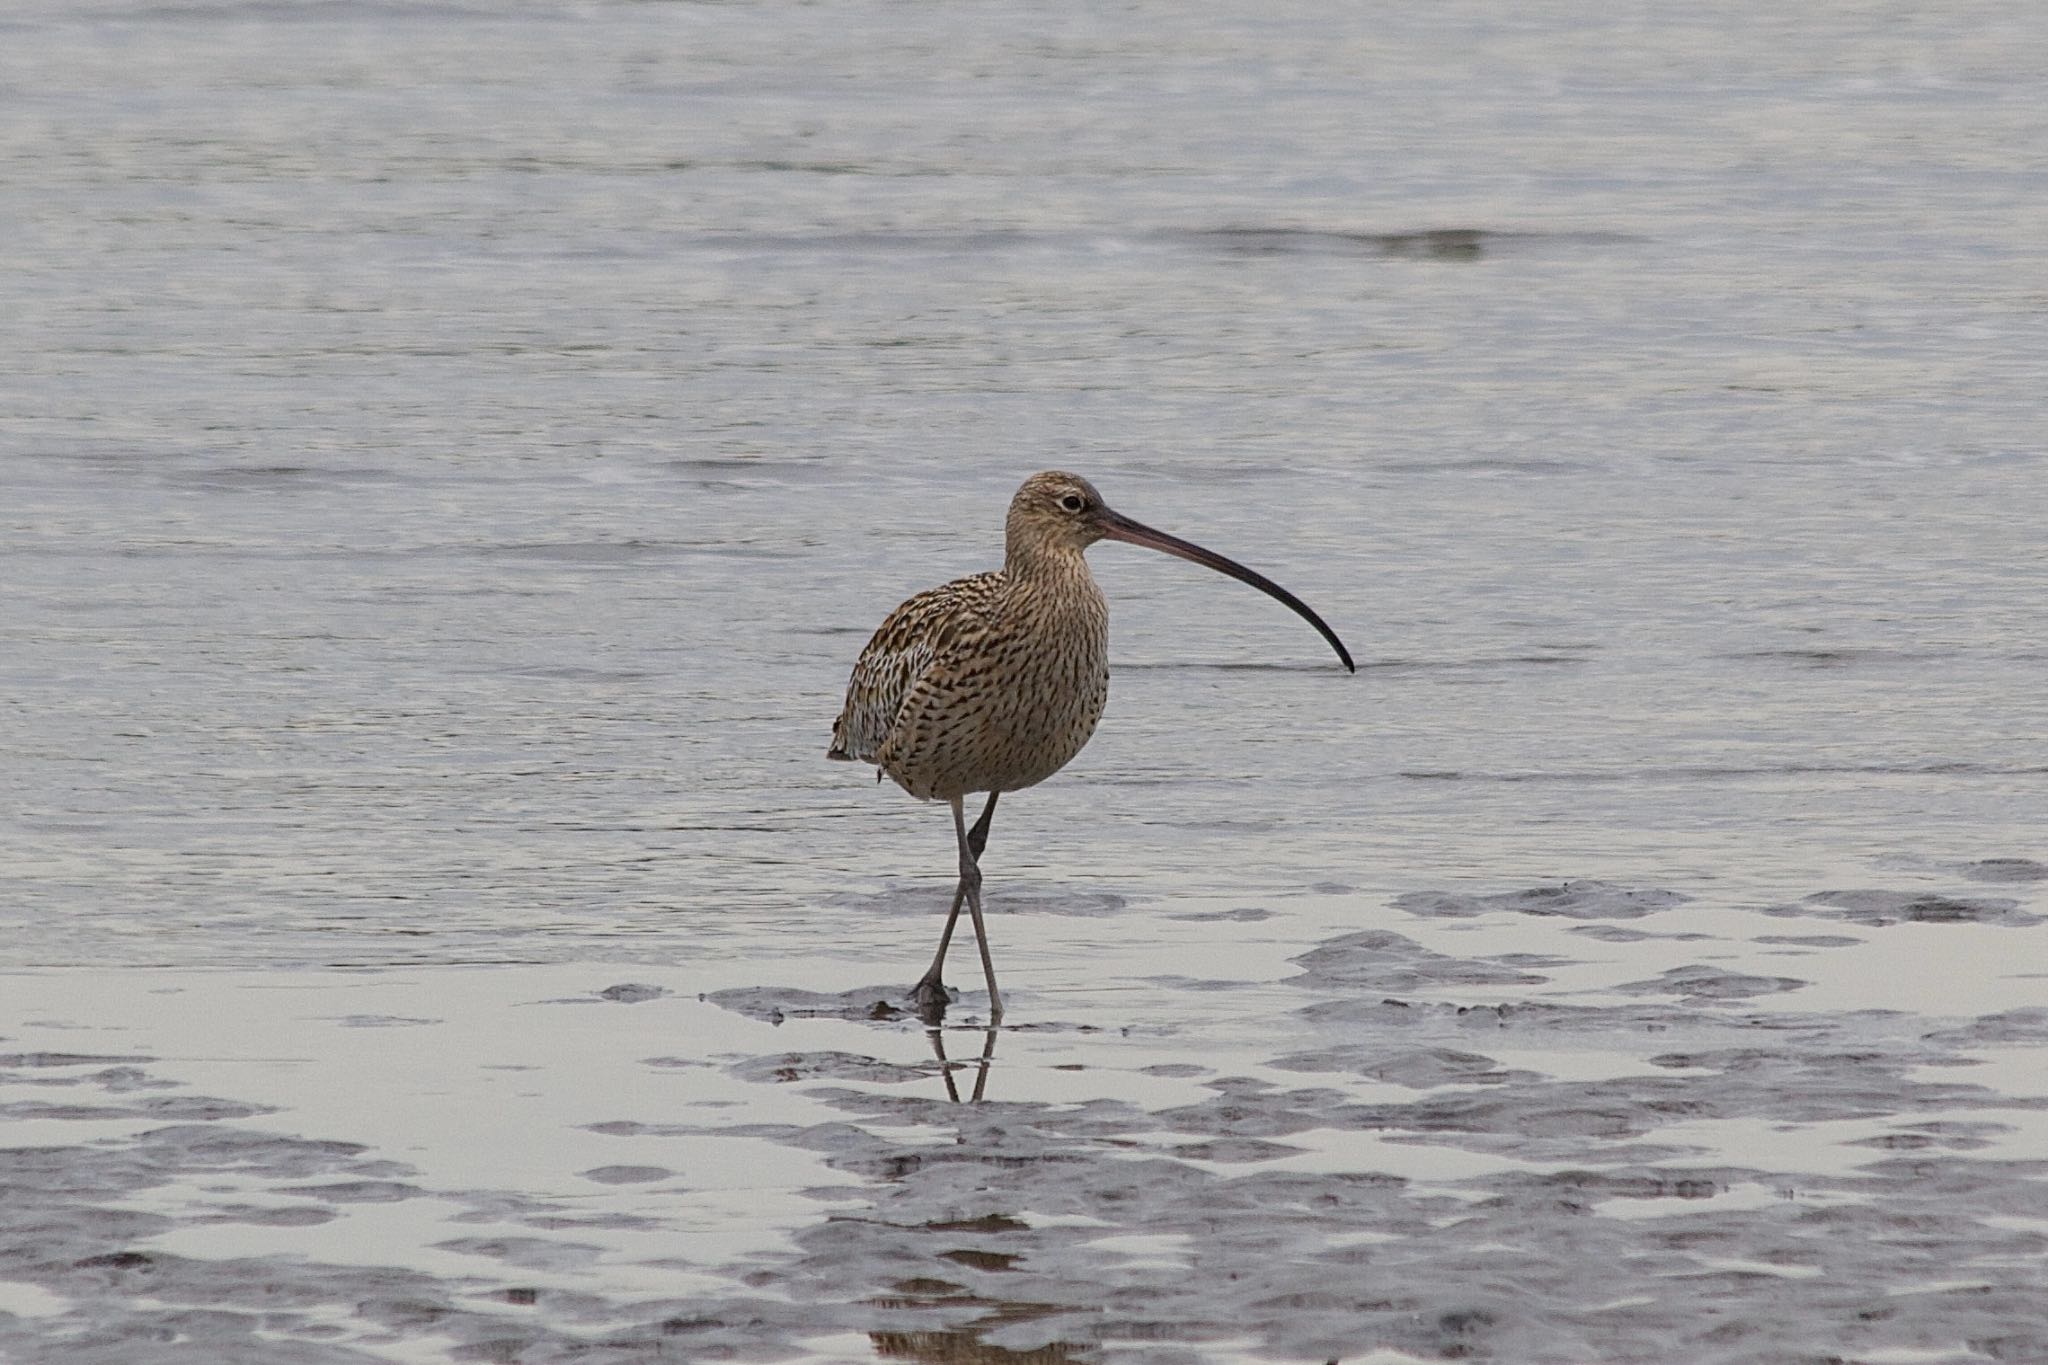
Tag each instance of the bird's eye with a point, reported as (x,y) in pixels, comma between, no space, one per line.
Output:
(1072,502)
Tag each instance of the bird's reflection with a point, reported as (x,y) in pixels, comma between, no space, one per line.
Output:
(947,1065)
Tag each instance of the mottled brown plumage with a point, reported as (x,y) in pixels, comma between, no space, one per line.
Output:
(994,682)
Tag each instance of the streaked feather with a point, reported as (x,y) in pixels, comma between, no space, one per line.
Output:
(989,683)
(903,650)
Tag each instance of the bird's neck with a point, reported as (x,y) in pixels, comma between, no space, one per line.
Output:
(1032,562)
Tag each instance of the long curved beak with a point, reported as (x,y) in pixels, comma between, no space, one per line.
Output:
(1117,526)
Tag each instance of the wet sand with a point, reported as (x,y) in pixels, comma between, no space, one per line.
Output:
(1558,1123)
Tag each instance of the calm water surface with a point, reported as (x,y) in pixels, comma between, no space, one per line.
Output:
(450,456)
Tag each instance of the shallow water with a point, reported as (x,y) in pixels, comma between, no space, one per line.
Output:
(450,457)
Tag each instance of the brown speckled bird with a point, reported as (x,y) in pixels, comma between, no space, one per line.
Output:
(993,682)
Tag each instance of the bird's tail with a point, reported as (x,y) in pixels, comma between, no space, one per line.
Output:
(838,752)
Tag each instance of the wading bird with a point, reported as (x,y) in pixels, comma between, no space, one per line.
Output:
(993,682)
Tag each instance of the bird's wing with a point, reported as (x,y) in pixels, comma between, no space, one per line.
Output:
(925,630)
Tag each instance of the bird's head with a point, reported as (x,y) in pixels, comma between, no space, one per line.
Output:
(1057,512)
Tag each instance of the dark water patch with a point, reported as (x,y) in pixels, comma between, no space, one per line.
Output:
(121,1079)
(1415,1068)
(990,1222)
(626,1175)
(190,1108)
(1615,933)
(1383,962)
(1778,1087)
(1235,1151)
(1809,940)
(785,1068)
(1937,1135)
(994,1261)
(357,1191)
(2020,1027)
(528,1253)
(1573,900)
(64,1059)
(1833,658)
(742,472)
(1579,1190)
(1239,1112)
(547,1213)
(27,1110)
(1700,984)
(279,478)
(778,166)
(1882,909)
(773,1004)
(632,993)
(2004,870)
(1458,244)
(269,1215)
(198,1108)
(221,1147)
(558,1222)
(1541,1019)
(1536,961)
(934,241)
(850,1139)
(1452,244)
(1242,915)
(1208,985)
(634,1128)
(1436,244)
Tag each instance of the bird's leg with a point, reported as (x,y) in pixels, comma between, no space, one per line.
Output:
(970,882)
(977,838)
(929,994)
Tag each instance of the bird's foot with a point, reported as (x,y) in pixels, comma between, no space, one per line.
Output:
(929,997)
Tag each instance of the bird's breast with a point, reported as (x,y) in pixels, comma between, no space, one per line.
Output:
(1014,705)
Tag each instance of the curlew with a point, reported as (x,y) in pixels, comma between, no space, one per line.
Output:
(993,682)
